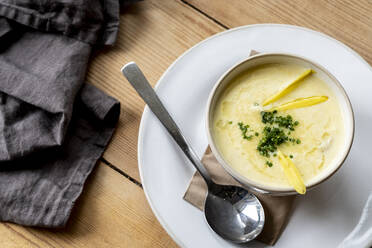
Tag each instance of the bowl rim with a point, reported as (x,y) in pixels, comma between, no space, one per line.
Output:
(245,181)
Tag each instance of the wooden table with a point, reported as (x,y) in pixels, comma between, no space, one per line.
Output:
(113,211)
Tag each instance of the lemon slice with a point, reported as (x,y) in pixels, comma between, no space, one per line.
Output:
(291,172)
(288,88)
(301,103)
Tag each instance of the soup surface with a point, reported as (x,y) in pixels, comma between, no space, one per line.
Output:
(313,139)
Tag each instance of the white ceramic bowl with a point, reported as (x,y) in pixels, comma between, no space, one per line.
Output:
(329,79)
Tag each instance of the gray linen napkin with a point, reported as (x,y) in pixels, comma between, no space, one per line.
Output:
(91,21)
(53,127)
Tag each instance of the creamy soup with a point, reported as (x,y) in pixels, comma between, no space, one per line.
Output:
(238,127)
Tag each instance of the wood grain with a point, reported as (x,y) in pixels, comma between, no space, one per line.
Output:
(112,212)
(347,21)
(152,33)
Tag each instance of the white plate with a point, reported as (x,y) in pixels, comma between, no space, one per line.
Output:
(324,216)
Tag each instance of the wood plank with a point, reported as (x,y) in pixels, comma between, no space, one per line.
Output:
(111,212)
(347,21)
(152,33)
(12,238)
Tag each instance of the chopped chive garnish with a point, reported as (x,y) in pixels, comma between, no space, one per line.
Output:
(244,129)
(274,132)
(291,156)
(268,163)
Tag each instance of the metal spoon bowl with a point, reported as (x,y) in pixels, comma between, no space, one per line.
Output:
(232,212)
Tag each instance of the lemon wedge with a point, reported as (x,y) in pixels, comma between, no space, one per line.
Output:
(301,103)
(288,88)
(291,172)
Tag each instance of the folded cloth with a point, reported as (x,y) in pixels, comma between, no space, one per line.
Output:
(40,189)
(4,28)
(53,127)
(277,208)
(91,21)
(40,75)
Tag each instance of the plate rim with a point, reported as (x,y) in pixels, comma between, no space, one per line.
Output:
(145,114)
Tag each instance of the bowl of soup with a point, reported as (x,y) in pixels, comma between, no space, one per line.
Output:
(279,123)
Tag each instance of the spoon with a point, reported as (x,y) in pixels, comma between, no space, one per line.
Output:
(232,212)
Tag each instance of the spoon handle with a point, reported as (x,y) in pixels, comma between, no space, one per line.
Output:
(136,78)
